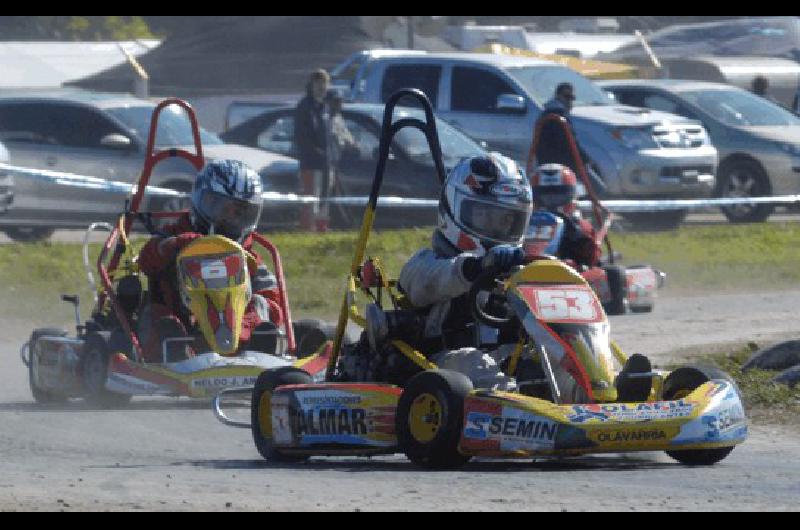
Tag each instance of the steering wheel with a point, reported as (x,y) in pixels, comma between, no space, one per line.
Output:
(487,280)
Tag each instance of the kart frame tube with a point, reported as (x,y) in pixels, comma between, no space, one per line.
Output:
(388,132)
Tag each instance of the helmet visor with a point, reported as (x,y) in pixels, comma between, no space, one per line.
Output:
(231,218)
(494,220)
(555,196)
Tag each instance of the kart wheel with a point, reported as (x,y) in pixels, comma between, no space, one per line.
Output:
(95,375)
(430,418)
(639,309)
(617,284)
(41,396)
(680,384)
(261,410)
(310,335)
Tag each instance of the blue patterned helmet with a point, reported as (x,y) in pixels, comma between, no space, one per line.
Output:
(226,199)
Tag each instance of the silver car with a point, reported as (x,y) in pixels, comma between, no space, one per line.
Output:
(758,141)
(497,99)
(105,135)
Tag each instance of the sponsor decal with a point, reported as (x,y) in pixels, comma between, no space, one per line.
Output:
(727,421)
(331,421)
(625,412)
(633,436)
(524,430)
(223,382)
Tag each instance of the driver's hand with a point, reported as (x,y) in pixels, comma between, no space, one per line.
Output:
(503,258)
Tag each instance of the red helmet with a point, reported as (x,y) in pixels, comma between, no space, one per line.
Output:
(555,187)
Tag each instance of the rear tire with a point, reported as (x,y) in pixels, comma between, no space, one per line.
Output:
(618,285)
(681,383)
(95,374)
(261,412)
(42,396)
(311,334)
(430,418)
(744,178)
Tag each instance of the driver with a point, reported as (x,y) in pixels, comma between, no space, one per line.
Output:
(484,210)
(555,189)
(226,200)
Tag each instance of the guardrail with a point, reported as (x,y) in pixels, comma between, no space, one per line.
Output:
(616,205)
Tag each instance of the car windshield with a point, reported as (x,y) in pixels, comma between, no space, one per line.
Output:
(455,145)
(173,125)
(740,108)
(541,82)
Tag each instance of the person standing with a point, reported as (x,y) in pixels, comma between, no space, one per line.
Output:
(310,140)
(340,141)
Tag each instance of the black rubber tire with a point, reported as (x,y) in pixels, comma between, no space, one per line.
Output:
(760,187)
(657,221)
(689,379)
(641,309)
(95,373)
(42,396)
(450,389)
(310,334)
(28,234)
(268,381)
(618,285)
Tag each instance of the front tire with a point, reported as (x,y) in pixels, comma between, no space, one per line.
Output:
(39,395)
(744,179)
(618,285)
(28,234)
(680,384)
(261,410)
(430,418)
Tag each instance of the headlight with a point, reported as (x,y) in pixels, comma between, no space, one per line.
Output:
(792,149)
(635,139)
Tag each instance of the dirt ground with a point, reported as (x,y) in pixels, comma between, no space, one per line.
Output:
(169,454)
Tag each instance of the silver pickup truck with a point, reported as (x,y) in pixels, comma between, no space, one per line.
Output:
(497,99)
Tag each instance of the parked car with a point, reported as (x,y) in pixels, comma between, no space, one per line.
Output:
(6,183)
(497,99)
(758,141)
(103,135)
(410,171)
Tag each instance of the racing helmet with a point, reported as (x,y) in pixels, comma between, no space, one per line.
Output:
(555,188)
(486,201)
(226,199)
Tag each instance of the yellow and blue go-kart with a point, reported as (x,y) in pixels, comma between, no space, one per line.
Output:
(572,390)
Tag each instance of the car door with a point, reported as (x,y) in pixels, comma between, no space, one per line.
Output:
(30,143)
(81,132)
(422,76)
(474,96)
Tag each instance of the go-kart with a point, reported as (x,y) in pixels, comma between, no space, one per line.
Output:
(620,288)
(569,390)
(104,361)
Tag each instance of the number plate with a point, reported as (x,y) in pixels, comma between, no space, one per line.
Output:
(563,304)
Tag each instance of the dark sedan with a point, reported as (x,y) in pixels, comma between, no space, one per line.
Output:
(409,173)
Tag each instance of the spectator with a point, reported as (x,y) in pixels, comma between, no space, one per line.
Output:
(553,146)
(310,140)
(339,142)
(761,88)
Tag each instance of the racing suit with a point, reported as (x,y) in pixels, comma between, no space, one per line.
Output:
(157,262)
(578,244)
(437,281)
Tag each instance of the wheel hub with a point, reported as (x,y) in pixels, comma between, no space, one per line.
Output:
(425,418)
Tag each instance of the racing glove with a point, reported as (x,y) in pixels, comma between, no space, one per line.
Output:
(501,258)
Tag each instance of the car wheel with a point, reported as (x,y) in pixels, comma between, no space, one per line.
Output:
(261,410)
(430,418)
(95,375)
(28,234)
(680,384)
(743,179)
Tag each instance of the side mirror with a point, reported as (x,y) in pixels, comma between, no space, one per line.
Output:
(511,104)
(117,141)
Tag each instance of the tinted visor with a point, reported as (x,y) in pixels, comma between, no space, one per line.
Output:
(554,196)
(231,217)
(494,221)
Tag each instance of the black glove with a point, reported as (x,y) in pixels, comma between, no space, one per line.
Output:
(501,258)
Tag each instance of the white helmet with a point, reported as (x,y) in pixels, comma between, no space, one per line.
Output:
(486,201)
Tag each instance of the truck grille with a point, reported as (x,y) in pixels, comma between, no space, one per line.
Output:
(679,137)
(687,174)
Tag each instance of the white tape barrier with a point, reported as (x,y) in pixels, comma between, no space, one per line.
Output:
(618,206)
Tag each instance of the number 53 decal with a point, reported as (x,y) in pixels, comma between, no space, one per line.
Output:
(564,304)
